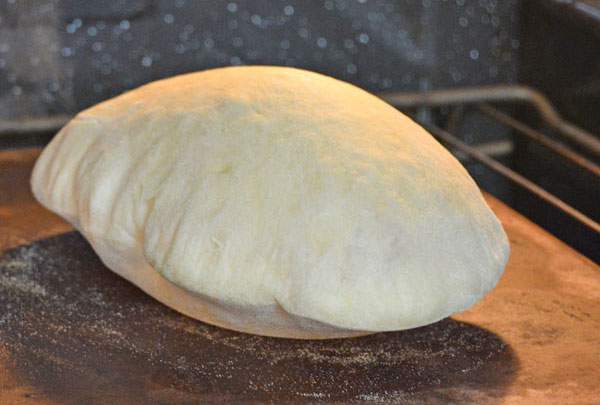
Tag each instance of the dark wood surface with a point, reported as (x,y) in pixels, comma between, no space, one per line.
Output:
(73,332)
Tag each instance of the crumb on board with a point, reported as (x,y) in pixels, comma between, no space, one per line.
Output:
(69,320)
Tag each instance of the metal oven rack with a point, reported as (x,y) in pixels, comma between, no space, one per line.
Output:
(481,98)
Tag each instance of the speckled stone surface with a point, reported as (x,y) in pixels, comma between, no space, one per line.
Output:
(61,56)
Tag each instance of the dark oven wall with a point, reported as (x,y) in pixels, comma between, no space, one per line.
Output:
(560,56)
(62,56)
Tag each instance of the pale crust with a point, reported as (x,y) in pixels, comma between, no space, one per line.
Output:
(275,201)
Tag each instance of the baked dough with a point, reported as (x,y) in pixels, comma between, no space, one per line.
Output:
(275,201)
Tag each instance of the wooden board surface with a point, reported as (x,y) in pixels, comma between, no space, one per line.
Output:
(73,332)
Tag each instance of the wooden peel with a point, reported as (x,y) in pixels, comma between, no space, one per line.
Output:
(71,331)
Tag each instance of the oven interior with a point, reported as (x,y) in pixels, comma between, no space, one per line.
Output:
(481,75)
